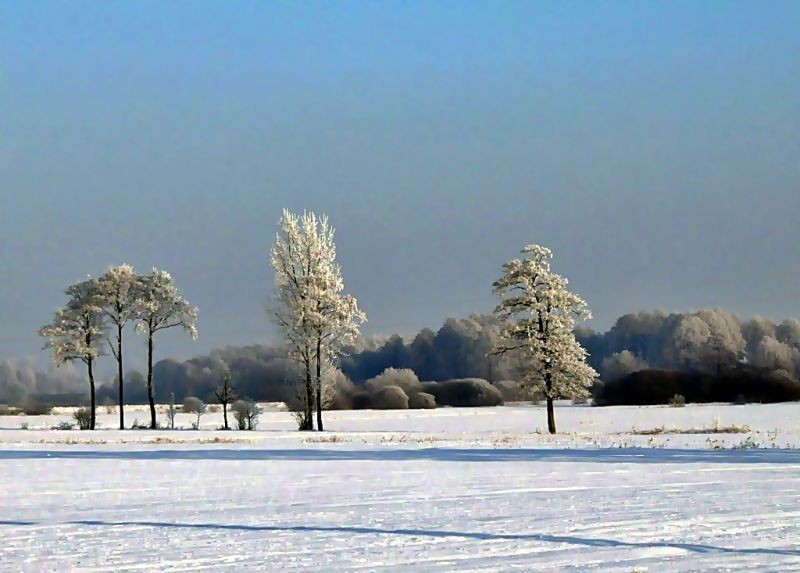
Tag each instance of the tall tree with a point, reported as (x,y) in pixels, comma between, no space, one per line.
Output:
(539,315)
(116,293)
(158,305)
(315,317)
(78,332)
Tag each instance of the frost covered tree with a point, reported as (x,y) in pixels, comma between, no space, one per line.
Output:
(78,332)
(116,291)
(538,315)
(158,305)
(315,317)
(621,364)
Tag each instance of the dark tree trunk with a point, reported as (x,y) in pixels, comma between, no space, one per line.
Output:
(308,423)
(551,416)
(119,377)
(551,413)
(92,394)
(319,385)
(225,414)
(150,397)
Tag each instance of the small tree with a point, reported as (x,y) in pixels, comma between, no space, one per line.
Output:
(194,405)
(225,394)
(246,413)
(539,315)
(171,411)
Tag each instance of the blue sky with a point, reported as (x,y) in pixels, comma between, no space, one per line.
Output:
(654,146)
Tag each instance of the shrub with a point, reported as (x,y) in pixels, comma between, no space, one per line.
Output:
(246,413)
(64,425)
(33,408)
(422,401)
(467,392)
(510,390)
(84,418)
(194,405)
(405,378)
(580,400)
(23,426)
(677,401)
(390,398)
(362,401)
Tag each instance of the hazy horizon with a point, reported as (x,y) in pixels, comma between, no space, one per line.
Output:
(654,147)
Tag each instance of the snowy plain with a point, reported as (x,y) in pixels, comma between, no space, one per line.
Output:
(469,489)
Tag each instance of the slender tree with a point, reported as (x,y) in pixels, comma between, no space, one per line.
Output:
(158,306)
(539,315)
(315,317)
(78,332)
(225,394)
(116,291)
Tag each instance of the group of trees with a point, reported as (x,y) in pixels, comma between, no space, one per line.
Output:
(96,314)
(531,343)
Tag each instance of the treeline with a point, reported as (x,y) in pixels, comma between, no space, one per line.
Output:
(706,342)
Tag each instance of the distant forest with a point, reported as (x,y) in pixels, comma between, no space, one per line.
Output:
(705,345)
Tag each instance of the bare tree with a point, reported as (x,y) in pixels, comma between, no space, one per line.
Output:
(225,394)
(171,411)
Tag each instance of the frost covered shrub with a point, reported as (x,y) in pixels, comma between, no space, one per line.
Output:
(83,417)
(422,401)
(246,414)
(511,390)
(64,425)
(405,378)
(580,400)
(677,401)
(468,392)
(390,398)
(194,405)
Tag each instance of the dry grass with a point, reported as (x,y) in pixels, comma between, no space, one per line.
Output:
(710,430)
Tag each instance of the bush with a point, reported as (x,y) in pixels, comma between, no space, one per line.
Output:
(468,392)
(422,401)
(511,391)
(677,401)
(64,425)
(362,401)
(84,418)
(246,414)
(405,378)
(580,400)
(390,398)
(37,409)
(740,384)
(194,405)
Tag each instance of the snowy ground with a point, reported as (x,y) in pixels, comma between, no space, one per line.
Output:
(435,490)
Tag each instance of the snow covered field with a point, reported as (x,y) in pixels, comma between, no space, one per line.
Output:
(466,489)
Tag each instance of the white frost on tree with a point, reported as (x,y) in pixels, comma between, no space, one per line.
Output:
(310,308)
(620,364)
(539,315)
(78,332)
(158,305)
(116,291)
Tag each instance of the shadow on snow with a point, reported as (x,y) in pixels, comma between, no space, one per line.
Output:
(435,533)
(600,455)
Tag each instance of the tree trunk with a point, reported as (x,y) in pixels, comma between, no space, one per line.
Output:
(319,385)
(119,377)
(150,397)
(551,414)
(92,394)
(308,423)
(225,414)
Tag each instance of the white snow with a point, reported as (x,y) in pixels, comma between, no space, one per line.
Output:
(466,489)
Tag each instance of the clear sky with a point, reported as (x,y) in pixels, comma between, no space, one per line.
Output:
(654,146)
